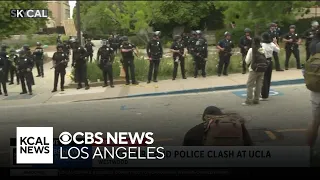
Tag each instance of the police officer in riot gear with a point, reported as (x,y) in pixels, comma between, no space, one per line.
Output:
(38,56)
(59,39)
(13,61)
(274,32)
(185,39)
(128,51)
(155,52)
(245,45)
(192,42)
(225,48)
(89,48)
(200,53)
(308,35)
(60,60)
(292,41)
(66,47)
(27,50)
(4,55)
(79,62)
(105,57)
(3,77)
(28,53)
(25,65)
(178,54)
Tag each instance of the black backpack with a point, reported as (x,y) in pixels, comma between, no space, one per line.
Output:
(259,62)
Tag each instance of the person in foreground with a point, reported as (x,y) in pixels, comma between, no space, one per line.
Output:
(218,129)
(270,47)
(257,66)
(312,80)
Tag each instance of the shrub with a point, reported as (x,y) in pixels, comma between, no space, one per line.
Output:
(166,66)
(94,72)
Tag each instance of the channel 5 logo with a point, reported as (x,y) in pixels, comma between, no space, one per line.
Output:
(66,138)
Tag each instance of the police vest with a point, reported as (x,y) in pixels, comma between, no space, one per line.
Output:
(105,53)
(127,54)
(155,48)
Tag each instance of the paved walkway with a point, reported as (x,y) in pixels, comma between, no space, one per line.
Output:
(43,87)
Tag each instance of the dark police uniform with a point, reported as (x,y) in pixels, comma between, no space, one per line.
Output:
(60,60)
(79,62)
(4,55)
(13,61)
(292,48)
(224,56)
(3,78)
(25,65)
(185,40)
(308,36)
(276,34)
(38,56)
(89,48)
(66,47)
(244,45)
(59,39)
(128,60)
(192,43)
(178,58)
(105,57)
(155,52)
(200,53)
(115,44)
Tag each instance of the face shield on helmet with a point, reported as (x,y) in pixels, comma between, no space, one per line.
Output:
(315,24)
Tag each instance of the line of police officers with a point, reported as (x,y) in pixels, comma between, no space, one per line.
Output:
(196,45)
(21,66)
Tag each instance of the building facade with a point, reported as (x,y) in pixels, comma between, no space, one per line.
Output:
(60,12)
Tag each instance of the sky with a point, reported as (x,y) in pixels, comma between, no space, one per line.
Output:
(72,5)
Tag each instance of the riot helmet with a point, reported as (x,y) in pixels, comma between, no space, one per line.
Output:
(314,24)
(59,47)
(199,32)
(124,38)
(26,47)
(292,28)
(247,30)
(38,44)
(227,35)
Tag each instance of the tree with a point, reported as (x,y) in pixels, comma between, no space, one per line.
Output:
(135,16)
(188,13)
(10,26)
(258,14)
(97,21)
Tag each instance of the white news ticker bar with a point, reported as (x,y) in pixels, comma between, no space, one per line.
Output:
(219,156)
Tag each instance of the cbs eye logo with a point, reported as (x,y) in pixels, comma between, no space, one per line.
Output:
(65,138)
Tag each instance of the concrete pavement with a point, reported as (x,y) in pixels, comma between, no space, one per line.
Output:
(43,87)
(280,121)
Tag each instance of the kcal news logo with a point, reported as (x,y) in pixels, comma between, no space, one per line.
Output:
(29,13)
(34,145)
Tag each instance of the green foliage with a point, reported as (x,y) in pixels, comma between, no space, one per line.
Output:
(181,12)
(258,13)
(12,26)
(43,39)
(166,66)
(94,72)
